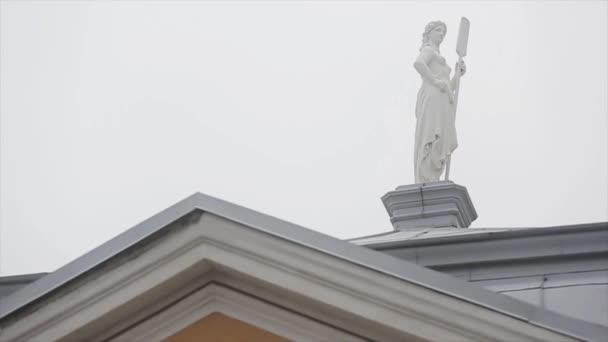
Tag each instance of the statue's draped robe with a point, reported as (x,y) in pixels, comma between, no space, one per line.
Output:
(435,126)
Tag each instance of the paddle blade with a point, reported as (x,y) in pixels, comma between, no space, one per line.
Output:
(463,37)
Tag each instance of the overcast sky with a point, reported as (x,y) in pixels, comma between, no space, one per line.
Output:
(113,111)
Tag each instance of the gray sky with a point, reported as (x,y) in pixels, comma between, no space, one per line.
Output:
(111,112)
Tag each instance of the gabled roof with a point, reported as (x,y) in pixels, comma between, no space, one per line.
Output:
(277,228)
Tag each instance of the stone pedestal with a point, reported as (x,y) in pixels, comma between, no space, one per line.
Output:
(431,205)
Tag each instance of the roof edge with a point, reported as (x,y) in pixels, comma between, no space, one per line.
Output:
(480,235)
(300,235)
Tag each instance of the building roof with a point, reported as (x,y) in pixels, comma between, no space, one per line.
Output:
(11,284)
(427,236)
(368,258)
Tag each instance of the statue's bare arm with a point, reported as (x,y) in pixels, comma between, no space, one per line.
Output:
(422,66)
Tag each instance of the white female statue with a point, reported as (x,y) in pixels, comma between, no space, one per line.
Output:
(435,107)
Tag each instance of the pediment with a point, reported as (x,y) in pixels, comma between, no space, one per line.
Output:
(203,261)
(217,327)
(225,307)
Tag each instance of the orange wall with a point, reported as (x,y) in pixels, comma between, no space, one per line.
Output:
(221,328)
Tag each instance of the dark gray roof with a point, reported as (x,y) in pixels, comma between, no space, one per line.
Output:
(428,236)
(341,249)
(10,284)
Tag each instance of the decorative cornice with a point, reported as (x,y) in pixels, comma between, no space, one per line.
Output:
(383,302)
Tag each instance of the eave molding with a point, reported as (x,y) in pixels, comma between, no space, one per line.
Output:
(216,297)
(390,305)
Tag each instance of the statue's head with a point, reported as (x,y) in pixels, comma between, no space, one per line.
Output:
(429,28)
